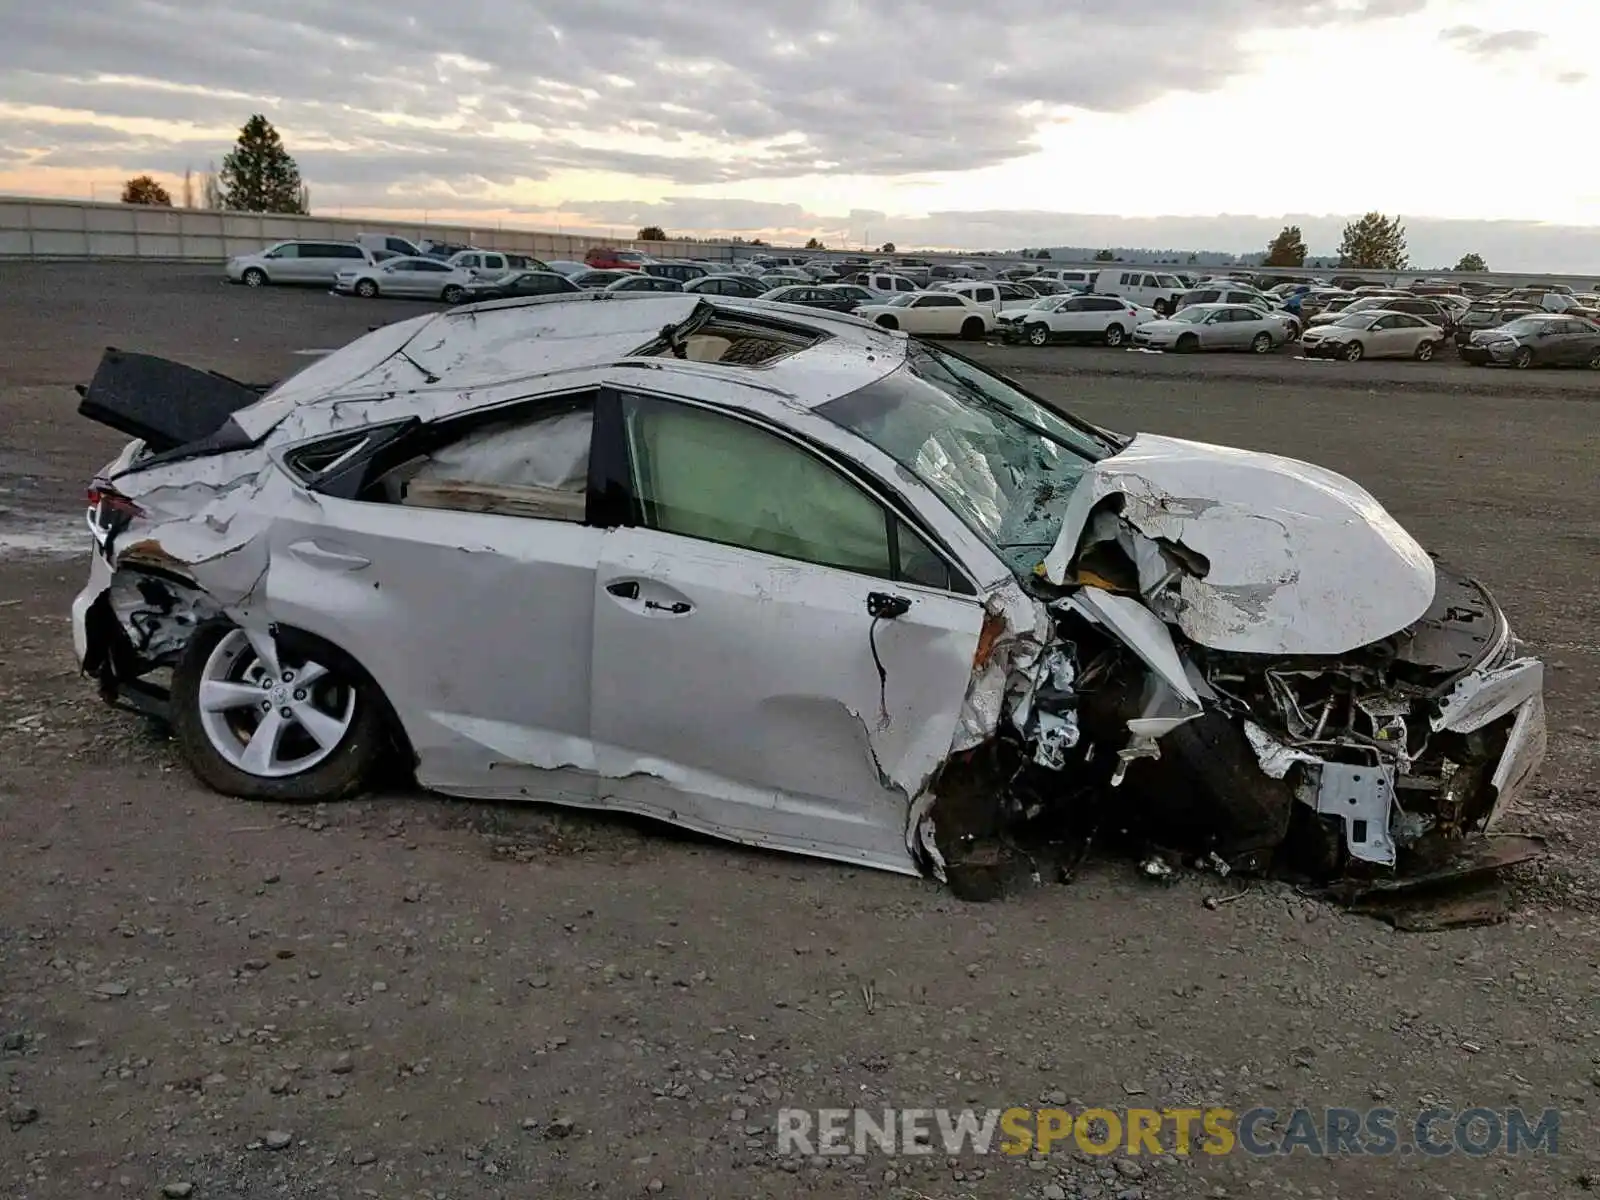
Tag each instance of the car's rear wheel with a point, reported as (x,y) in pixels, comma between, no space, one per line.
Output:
(1187,344)
(1353,352)
(263,717)
(1523,359)
(1594,361)
(1261,343)
(1424,351)
(452,294)
(888,322)
(972,329)
(366,289)
(254,277)
(1115,334)
(1038,334)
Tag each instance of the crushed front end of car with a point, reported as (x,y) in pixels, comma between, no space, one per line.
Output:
(1243,661)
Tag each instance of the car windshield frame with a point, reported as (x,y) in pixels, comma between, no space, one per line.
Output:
(997,457)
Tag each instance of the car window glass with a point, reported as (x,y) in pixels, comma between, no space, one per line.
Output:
(1150,281)
(707,476)
(535,467)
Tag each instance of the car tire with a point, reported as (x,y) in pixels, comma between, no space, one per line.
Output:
(1424,351)
(1187,344)
(1115,335)
(1353,352)
(1523,358)
(366,289)
(887,322)
(254,277)
(1038,334)
(972,329)
(452,294)
(222,655)
(1261,343)
(1594,361)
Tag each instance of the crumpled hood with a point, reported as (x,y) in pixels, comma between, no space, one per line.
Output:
(1294,559)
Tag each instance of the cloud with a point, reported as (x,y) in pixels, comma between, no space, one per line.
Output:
(718,91)
(1491,43)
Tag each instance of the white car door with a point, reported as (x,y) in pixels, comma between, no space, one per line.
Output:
(937,315)
(736,651)
(1387,338)
(1074,317)
(464,583)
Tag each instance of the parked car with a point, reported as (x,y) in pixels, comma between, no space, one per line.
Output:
(641,282)
(1537,340)
(491,264)
(683,272)
(1149,289)
(819,295)
(924,604)
(930,314)
(607,258)
(1373,333)
(296,262)
(789,278)
(443,251)
(1214,327)
(1013,294)
(1074,318)
(520,283)
(597,280)
(387,242)
(418,278)
(1046,286)
(567,267)
(727,285)
(1487,315)
(1362,303)
(1207,294)
(1070,278)
(983,293)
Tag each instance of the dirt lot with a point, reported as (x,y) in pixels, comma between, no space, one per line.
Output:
(414,997)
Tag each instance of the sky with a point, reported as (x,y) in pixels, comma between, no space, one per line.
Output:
(1193,124)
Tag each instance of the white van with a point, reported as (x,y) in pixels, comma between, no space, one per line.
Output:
(1142,286)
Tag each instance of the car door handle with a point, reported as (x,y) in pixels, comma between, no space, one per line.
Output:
(886,606)
(677,608)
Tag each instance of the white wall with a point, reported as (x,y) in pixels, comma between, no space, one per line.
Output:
(79,229)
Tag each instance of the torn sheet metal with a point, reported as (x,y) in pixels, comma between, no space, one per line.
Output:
(1483,696)
(1525,750)
(1276,758)
(1301,560)
(1015,632)
(1142,632)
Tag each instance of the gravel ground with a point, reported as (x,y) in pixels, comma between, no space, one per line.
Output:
(408,996)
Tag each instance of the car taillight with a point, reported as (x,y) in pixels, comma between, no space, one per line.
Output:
(106,504)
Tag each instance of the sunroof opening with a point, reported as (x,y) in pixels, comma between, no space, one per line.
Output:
(735,340)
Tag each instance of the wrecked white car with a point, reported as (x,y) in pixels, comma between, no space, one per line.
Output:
(787,579)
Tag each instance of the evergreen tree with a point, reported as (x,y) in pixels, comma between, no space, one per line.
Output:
(258,175)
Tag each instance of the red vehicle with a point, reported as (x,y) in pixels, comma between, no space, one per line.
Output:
(604,258)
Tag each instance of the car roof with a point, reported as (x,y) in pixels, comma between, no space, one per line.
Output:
(480,355)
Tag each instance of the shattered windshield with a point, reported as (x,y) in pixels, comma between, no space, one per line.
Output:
(1001,461)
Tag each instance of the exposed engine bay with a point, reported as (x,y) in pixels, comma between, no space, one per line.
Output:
(1365,763)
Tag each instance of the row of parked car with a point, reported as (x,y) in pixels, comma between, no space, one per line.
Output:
(1112,306)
